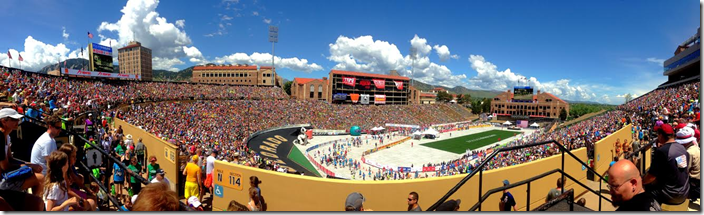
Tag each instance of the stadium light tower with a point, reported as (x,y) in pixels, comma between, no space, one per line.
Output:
(414,52)
(273,38)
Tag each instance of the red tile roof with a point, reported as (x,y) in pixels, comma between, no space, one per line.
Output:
(306,80)
(229,67)
(130,46)
(551,95)
(427,95)
(369,75)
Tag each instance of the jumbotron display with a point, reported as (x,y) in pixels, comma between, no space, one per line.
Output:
(523,93)
(100,58)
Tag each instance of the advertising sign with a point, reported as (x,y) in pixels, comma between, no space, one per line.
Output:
(379,83)
(354,97)
(365,99)
(349,81)
(365,84)
(339,96)
(102,50)
(399,85)
(379,99)
(67,71)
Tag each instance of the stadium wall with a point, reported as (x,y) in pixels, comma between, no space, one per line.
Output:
(318,194)
(166,153)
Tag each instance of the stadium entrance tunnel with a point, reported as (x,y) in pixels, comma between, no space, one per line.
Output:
(276,144)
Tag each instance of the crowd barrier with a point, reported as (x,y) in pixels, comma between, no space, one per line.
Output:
(385,146)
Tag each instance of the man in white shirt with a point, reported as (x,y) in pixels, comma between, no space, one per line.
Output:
(46,144)
(209,166)
(161,178)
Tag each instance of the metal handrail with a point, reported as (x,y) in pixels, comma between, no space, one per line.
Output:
(527,181)
(100,149)
(491,156)
(101,186)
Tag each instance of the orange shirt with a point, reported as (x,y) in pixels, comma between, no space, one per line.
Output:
(192,172)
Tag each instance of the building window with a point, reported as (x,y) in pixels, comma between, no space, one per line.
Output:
(320,91)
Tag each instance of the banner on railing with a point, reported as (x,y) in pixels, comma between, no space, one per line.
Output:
(429,169)
(67,71)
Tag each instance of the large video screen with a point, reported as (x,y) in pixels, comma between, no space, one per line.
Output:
(102,58)
(102,63)
(523,93)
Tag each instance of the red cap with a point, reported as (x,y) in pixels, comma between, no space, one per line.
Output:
(666,128)
(681,125)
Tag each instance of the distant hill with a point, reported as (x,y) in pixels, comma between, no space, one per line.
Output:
(76,63)
(165,75)
(457,90)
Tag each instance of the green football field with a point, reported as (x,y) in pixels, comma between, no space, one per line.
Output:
(460,145)
(297,156)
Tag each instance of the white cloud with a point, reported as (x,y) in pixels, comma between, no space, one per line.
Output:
(264,59)
(267,21)
(255,13)
(655,60)
(444,53)
(225,18)
(193,54)
(37,54)
(489,78)
(63,33)
(166,63)
(141,22)
(181,23)
(367,55)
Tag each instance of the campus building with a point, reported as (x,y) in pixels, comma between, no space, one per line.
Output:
(135,59)
(309,88)
(540,105)
(250,75)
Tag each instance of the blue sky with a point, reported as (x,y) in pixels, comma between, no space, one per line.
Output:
(594,51)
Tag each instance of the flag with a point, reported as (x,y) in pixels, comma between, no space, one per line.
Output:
(81,51)
(20,58)
(8,54)
(90,35)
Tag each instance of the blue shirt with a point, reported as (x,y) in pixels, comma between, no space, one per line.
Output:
(119,173)
(52,104)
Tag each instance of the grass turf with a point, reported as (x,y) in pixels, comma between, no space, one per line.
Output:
(460,145)
(297,156)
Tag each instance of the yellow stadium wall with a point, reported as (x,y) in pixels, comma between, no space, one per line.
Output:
(287,192)
(602,149)
(166,153)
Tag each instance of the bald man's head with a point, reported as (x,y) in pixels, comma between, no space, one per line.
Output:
(624,181)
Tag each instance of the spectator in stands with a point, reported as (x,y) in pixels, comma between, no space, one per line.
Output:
(75,181)
(161,177)
(668,176)
(626,189)
(236,206)
(209,166)
(194,203)
(355,202)
(56,197)
(449,205)
(127,204)
(156,197)
(193,180)
(507,201)
(413,202)
(46,144)
(139,150)
(134,169)
(118,178)
(18,176)
(685,136)
(17,199)
(254,203)
(555,192)
(254,182)
(152,167)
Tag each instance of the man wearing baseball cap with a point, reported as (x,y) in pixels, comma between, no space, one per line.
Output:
(686,137)
(26,175)
(160,177)
(507,201)
(668,177)
(355,202)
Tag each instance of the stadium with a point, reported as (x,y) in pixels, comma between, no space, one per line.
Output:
(228,140)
